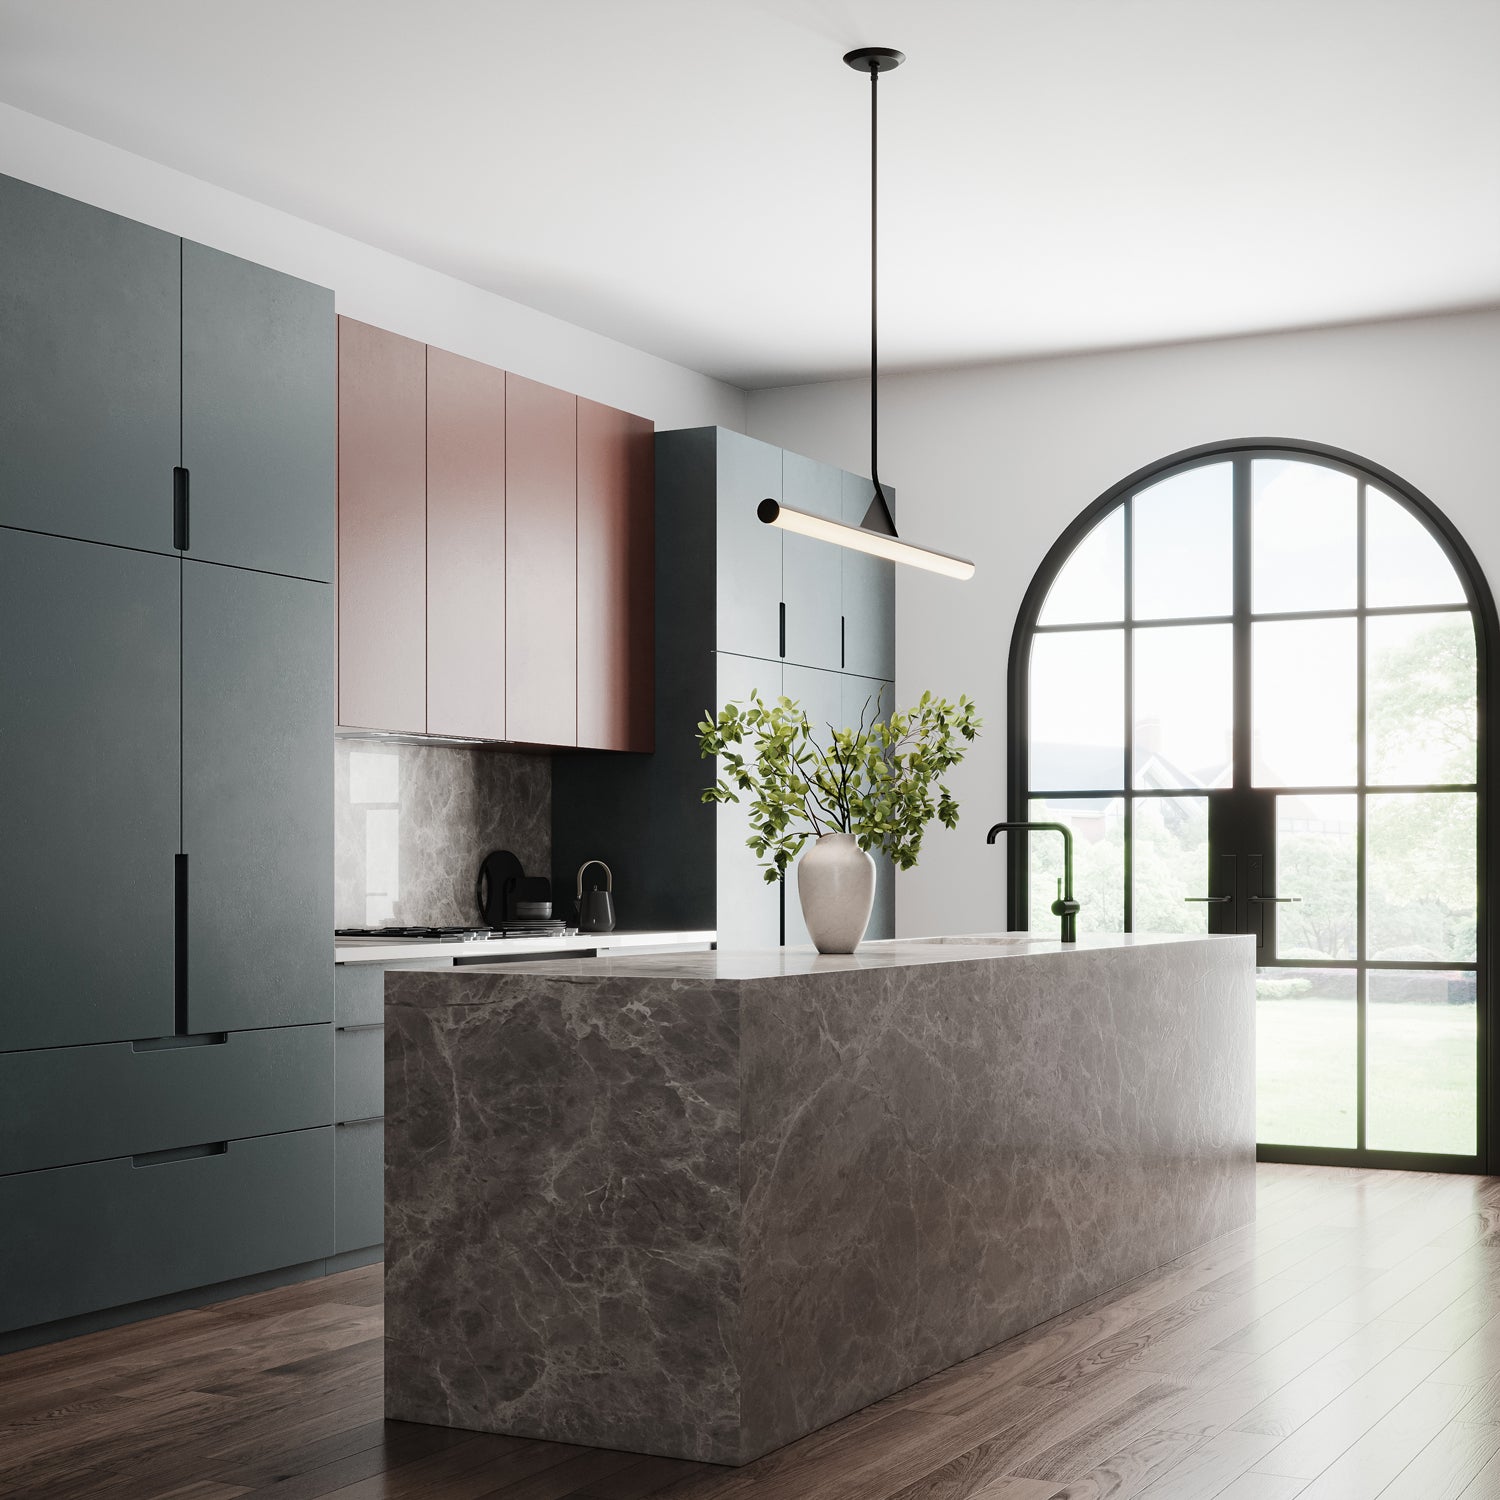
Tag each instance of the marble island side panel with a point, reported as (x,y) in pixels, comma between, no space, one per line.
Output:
(645,1205)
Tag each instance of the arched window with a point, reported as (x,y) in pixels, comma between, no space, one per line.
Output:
(1252,679)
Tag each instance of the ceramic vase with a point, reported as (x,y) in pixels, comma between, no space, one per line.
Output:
(836,885)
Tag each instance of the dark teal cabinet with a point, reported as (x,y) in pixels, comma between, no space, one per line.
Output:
(89,784)
(89,366)
(257,797)
(82,1238)
(259,424)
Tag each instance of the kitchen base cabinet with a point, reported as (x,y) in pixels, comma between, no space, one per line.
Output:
(359,1072)
(159,1097)
(82,1238)
(89,790)
(359,1215)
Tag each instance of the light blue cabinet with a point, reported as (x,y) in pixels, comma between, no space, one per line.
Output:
(739,605)
(868,589)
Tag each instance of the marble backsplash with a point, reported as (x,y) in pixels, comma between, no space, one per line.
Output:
(412,823)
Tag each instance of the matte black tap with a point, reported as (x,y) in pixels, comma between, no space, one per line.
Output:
(1065,906)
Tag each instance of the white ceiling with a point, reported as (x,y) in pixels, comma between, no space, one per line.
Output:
(690,176)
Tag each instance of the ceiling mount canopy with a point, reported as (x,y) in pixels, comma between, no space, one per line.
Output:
(877,532)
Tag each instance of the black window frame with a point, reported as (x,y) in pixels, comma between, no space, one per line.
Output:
(1481,604)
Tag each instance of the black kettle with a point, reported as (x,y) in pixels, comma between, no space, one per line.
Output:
(596,908)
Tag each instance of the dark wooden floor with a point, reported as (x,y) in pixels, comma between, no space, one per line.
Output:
(1347,1346)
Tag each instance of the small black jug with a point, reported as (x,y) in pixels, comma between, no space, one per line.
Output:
(596,909)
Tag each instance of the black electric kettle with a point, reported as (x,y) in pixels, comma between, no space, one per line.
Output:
(596,908)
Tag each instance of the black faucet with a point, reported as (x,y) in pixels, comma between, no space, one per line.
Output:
(1065,906)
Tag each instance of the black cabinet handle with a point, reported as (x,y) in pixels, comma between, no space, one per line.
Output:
(782,608)
(180,509)
(180,1153)
(180,945)
(176,1043)
(362,1026)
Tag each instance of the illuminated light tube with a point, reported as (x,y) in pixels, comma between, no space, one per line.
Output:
(856,537)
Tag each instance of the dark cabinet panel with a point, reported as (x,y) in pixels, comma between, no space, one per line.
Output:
(869,592)
(382,521)
(869,700)
(159,1098)
(541,550)
(359,1071)
(748,562)
(810,569)
(89,782)
(82,1238)
(465,547)
(89,350)
(616,571)
(257,797)
(749,913)
(259,386)
(360,1169)
(821,695)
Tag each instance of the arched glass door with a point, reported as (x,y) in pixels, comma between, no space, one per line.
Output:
(1248,679)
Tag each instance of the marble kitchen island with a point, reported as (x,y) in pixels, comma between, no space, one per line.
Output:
(701,1204)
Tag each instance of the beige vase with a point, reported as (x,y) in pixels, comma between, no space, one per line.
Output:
(836,885)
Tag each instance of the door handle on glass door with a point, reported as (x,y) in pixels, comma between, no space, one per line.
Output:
(1214,899)
(1275,900)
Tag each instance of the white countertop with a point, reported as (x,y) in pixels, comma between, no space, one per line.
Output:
(410,950)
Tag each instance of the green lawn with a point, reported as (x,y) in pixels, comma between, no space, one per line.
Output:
(1420,1082)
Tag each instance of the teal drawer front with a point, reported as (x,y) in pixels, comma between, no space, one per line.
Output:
(78,1104)
(77,1239)
(358,994)
(360,1220)
(359,1073)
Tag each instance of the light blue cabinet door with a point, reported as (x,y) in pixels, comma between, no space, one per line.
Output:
(811,570)
(869,700)
(821,696)
(869,592)
(749,908)
(748,560)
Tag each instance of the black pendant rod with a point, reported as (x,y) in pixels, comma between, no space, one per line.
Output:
(874,277)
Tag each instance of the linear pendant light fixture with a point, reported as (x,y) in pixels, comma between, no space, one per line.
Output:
(876,534)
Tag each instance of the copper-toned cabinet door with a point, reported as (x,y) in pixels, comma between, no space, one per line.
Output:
(616,571)
(541,558)
(465,547)
(382,574)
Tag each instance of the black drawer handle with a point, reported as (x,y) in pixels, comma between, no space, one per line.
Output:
(362,1026)
(363,1120)
(172,1043)
(179,1153)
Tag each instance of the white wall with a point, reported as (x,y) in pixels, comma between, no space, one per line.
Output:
(993,463)
(369,284)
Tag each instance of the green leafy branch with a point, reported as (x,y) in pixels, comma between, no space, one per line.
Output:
(880,781)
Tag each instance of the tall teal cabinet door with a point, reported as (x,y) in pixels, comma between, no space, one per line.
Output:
(257,797)
(89,347)
(749,913)
(820,695)
(88,791)
(810,569)
(259,415)
(748,562)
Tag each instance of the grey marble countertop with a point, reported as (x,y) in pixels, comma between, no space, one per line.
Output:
(780,963)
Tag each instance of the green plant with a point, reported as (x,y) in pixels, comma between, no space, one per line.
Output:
(875,781)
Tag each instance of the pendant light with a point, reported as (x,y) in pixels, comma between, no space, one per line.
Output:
(876,534)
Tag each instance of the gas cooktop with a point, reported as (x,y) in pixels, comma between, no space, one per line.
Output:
(522,927)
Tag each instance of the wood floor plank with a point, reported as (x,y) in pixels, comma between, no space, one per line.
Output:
(1353,1330)
(1445,1468)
